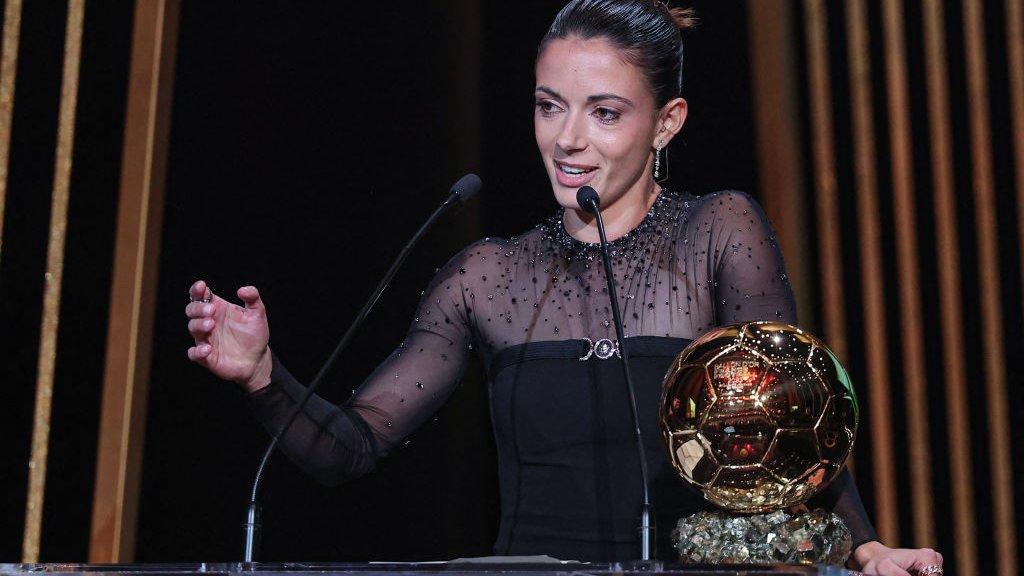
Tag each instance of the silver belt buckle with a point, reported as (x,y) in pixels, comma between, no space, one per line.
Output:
(603,349)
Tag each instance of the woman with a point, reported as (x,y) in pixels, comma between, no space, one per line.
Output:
(608,80)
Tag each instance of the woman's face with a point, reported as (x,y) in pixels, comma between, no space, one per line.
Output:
(595,120)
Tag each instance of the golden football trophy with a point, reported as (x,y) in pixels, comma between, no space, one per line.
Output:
(759,417)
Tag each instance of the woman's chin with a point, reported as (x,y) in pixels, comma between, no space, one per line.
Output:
(566,197)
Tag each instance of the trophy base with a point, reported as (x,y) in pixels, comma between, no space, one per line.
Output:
(716,537)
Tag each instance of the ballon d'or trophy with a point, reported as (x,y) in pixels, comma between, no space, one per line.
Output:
(759,417)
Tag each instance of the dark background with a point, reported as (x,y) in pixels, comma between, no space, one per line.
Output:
(308,142)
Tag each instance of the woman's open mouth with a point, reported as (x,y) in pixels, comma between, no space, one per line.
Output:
(573,175)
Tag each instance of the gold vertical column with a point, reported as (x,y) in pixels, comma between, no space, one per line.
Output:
(52,285)
(8,75)
(1015,69)
(823,146)
(819,85)
(868,225)
(991,298)
(777,127)
(947,248)
(911,324)
(133,283)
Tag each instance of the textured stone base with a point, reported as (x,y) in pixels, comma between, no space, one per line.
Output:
(714,537)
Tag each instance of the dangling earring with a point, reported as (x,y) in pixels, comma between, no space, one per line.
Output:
(659,174)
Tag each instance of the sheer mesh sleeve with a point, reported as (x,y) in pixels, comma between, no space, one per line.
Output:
(752,285)
(842,497)
(336,443)
(749,275)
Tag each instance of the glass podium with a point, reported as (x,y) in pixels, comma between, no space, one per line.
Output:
(460,567)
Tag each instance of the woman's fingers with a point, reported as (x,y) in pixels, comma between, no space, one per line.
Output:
(198,290)
(200,328)
(926,557)
(884,567)
(200,298)
(888,567)
(199,353)
(195,291)
(250,296)
(236,332)
(199,309)
(902,561)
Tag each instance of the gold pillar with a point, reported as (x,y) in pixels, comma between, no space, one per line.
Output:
(911,324)
(8,75)
(947,246)
(819,85)
(1015,69)
(986,227)
(52,282)
(133,284)
(870,241)
(825,191)
(778,138)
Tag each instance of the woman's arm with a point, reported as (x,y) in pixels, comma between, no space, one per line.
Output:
(337,443)
(752,284)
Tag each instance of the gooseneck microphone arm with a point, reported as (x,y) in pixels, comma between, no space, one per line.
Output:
(588,199)
(460,192)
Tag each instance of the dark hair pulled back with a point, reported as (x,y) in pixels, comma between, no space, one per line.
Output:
(647,31)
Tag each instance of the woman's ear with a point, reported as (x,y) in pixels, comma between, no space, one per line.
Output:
(671,120)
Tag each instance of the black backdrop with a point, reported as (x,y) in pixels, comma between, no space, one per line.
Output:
(308,142)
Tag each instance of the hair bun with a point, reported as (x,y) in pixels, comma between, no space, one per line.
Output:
(684,18)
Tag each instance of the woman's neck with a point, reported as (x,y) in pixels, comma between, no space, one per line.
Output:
(620,217)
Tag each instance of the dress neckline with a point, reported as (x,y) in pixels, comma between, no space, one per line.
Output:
(556,234)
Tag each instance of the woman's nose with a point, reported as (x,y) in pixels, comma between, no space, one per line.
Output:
(571,138)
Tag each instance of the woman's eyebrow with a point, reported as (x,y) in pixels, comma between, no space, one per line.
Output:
(609,96)
(590,99)
(549,92)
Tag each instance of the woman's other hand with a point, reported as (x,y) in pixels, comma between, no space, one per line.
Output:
(230,341)
(876,558)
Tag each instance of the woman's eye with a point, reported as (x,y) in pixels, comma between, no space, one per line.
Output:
(607,115)
(546,108)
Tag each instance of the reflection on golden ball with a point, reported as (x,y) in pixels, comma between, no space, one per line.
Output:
(758,416)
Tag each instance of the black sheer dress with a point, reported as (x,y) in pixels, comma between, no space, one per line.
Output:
(533,307)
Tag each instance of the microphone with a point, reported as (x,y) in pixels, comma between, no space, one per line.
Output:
(460,192)
(464,189)
(588,200)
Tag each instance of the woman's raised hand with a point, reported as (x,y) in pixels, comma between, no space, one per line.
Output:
(231,341)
